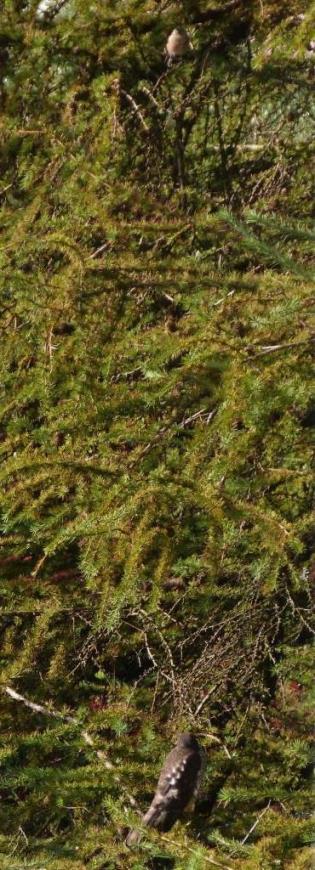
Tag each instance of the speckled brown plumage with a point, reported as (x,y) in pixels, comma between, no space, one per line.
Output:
(177,787)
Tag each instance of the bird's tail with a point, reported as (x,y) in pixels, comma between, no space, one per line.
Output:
(150,820)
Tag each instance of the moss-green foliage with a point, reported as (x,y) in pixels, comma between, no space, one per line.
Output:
(155,435)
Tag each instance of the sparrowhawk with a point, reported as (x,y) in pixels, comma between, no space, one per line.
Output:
(177,787)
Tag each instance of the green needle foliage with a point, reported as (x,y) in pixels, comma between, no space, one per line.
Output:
(156,403)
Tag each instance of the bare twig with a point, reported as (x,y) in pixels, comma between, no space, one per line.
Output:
(136,109)
(98,251)
(193,417)
(23,834)
(204,700)
(296,609)
(244,840)
(271,348)
(211,415)
(28,133)
(152,99)
(223,298)
(38,566)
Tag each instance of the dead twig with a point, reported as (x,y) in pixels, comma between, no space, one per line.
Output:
(152,99)
(98,251)
(193,417)
(205,699)
(244,840)
(136,109)
(295,609)
(271,348)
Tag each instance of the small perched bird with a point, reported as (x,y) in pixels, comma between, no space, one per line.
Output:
(178,43)
(177,787)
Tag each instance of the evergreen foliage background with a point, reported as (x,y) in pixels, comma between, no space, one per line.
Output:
(156,419)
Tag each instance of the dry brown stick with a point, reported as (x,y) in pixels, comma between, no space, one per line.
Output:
(255,823)
(98,251)
(205,699)
(297,610)
(136,109)
(152,99)
(193,417)
(28,133)
(271,348)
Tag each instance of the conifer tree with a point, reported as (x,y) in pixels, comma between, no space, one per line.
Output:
(156,420)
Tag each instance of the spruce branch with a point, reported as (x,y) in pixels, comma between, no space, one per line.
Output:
(44,710)
(205,858)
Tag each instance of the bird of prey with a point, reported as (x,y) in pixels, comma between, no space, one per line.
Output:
(178,43)
(177,787)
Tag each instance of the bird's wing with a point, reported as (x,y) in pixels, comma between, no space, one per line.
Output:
(178,785)
(180,774)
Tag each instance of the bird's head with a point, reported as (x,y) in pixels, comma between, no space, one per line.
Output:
(187,741)
(180,31)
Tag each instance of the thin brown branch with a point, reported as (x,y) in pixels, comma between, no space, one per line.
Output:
(136,109)
(192,418)
(152,99)
(295,609)
(205,699)
(255,823)
(271,348)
